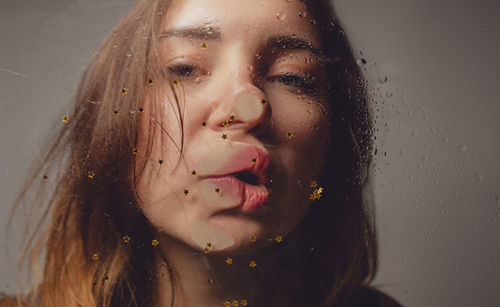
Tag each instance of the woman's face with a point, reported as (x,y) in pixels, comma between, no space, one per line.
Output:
(251,120)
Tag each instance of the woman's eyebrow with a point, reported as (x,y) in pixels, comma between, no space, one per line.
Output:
(195,32)
(289,42)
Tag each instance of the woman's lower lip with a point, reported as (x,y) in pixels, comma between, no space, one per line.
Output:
(249,197)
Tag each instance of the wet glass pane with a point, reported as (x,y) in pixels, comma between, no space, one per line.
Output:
(249,153)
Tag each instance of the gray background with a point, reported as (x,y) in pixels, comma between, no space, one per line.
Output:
(437,175)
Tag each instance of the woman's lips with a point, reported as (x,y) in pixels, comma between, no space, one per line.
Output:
(249,197)
(247,158)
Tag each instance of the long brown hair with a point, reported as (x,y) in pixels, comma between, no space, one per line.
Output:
(95,243)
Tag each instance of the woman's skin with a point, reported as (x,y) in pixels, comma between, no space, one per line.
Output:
(227,57)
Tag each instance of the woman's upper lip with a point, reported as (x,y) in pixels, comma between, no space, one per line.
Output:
(247,158)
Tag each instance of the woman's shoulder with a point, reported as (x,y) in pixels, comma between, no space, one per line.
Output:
(371,297)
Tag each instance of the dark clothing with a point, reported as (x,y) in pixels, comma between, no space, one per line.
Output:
(370,297)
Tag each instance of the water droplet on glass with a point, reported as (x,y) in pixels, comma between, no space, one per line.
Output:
(361,61)
(461,148)
(280,15)
(382,80)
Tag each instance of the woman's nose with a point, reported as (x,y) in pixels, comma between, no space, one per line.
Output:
(242,104)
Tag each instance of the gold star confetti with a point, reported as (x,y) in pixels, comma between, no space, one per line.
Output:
(217,190)
(45,177)
(124,91)
(227,304)
(150,82)
(65,119)
(91,174)
(235,303)
(193,173)
(206,250)
(313,184)
(126,239)
(252,264)
(253,238)
(229,261)
(209,245)
(316,194)
(95,257)
(254,160)
(186,192)
(289,134)
(155,242)
(224,136)
(204,46)
(232,117)
(244,302)
(160,161)
(115,113)
(204,124)
(264,101)
(140,109)
(225,123)
(175,82)
(278,238)
(135,151)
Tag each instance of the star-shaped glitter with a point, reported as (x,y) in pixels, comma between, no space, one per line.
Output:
(253,238)
(186,192)
(206,250)
(155,242)
(160,161)
(65,119)
(204,46)
(289,134)
(235,303)
(252,264)
(45,177)
(95,257)
(263,101)
(217,190)
(209,245)
(175,82)
(254,160)
(244,302)
(193,173)
(135,151)
(91,174)
(224,136)
(278,238)
(313,184)
(225,123)
(204,124)
(316,194)
(115,113)
(124,91)
(126,239)
(227,304)
(232,117)
(140,109)
(150,82)
(106,278)
(229,261)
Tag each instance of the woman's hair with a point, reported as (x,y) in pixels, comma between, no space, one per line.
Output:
(92,240)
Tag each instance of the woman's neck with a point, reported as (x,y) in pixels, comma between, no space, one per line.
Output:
(209,280)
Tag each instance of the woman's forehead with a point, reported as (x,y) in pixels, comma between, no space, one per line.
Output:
(241,18)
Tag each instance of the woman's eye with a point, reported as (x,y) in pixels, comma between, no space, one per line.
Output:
(183,71)
(294,81)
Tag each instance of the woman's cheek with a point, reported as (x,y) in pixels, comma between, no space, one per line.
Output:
(299,118)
